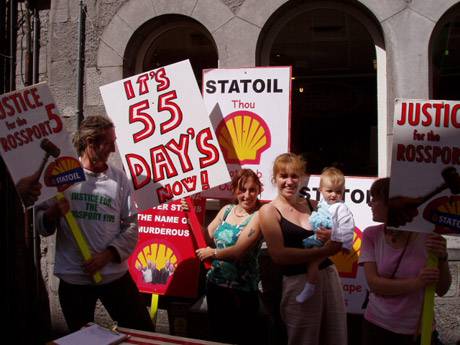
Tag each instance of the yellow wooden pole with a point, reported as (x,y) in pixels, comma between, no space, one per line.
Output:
(428,305)
(154,307)
(79,238)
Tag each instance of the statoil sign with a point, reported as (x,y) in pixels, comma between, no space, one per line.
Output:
(250,112)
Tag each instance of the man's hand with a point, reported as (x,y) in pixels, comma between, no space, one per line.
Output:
(29,189)
(98,261)
(57,210)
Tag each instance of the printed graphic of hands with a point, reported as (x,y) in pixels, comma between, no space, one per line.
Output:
(402,210)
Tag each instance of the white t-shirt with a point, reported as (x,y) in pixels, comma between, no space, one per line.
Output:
(103,209)
(343,224)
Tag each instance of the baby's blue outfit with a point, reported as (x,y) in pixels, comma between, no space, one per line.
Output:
(318,219)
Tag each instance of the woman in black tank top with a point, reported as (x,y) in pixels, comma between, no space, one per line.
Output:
(284,224)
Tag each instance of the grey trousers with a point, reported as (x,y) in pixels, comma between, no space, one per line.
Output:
(322,319)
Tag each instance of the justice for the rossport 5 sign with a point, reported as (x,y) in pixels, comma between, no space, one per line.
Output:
(425,161)
(35,145)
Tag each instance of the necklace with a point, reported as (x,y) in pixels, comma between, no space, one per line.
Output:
(243,213)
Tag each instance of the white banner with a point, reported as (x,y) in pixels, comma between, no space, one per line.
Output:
(166,141)
(356,197)
(425,160)
(35,145)
(250,111)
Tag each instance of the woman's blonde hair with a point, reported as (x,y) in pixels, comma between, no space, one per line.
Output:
(289,161)
(92,128)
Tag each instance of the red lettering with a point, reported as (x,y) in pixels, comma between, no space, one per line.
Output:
(414,116)
(164,194)
(207,148)
(181,150)
(189,183)
(129,90)
(162,165)
(438,107)
(162,80)
(54,117)
(425,111)
(36,97)
(400,153)
(137,114)
(165,103)
(139,170)
(402,120)
(454,115)
(204,180)
(142,82)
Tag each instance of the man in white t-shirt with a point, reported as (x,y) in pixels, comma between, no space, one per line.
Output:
(103,208)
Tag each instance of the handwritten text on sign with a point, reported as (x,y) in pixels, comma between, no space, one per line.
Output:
(35,145)
(164,134)
(425,163)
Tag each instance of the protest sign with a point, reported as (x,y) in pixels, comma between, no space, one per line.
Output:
(250,109)
(165,138)
(164,260)
(426,154)
(356,197)
(35,145)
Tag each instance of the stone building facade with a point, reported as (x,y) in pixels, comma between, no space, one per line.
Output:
(386,49)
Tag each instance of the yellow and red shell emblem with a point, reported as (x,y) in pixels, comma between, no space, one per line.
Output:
(63,172)
(347,263)
(444,212)
(243,136)
(157,258)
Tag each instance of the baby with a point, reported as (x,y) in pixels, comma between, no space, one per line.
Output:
(333,214)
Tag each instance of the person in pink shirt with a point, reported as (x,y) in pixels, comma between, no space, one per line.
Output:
(394,265)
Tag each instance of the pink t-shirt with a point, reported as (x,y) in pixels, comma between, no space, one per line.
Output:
(399,314)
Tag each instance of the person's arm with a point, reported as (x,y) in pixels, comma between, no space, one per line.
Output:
(438,246)
(209,230)
(393,286)
(271,230)
(343,226)
(246,240)
(48,215)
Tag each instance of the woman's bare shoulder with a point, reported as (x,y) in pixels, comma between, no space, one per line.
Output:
(267,209)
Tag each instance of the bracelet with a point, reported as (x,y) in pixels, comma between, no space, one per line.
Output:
(215,253)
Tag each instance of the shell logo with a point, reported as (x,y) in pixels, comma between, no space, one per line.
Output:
(156,262)
(444,212)
(63,172)
(243,136)
(347,263)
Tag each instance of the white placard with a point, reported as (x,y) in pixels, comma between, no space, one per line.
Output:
(250,111)
(356,197)
(426,156)
(35,145)
(166,141)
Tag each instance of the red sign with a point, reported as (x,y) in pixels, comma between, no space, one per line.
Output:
(164,261)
